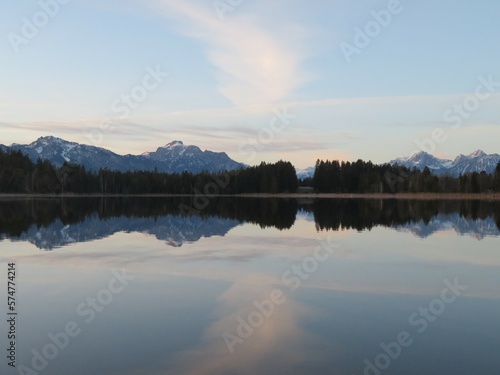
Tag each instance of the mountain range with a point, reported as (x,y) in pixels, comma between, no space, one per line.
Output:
(175,157)
(478,161)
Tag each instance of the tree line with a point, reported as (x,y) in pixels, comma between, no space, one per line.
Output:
(365,177)
(18,174)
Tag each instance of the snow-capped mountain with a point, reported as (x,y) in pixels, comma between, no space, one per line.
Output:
(174,157)
(305,173)
(177,157)
(58,151)
(478,161)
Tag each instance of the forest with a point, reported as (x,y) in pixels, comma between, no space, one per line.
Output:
(18,174)
(365,177)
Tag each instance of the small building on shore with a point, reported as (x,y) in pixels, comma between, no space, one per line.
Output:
(305,190)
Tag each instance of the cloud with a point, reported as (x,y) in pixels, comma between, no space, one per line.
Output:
(254,65)
(75,130)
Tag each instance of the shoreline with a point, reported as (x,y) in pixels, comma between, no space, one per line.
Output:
(404,196)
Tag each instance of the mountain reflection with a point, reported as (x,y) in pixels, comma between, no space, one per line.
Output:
(421,217)
(56,222)
(52,223)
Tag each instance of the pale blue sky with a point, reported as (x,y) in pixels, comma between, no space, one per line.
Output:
(227,76)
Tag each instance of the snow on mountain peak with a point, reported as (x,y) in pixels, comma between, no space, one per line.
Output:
(478,161)
(420,154)
(48,139)
(174,144)
(477,154)
(175,157)
(305,173)
(418,159)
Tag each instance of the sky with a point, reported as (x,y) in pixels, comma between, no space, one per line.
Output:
(261,80)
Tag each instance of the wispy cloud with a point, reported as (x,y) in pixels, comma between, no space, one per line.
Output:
(254,65)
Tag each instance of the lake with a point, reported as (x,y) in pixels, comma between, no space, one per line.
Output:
(251,286)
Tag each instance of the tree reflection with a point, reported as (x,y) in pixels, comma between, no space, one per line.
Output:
(18,216)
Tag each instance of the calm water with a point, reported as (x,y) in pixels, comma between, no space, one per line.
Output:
(249,286)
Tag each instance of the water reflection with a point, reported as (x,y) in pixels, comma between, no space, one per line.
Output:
(365,214)
(392,259)
(53,223)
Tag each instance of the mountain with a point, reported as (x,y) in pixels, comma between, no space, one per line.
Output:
(177,157)
(478,161)
(174,157)
(305,173)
